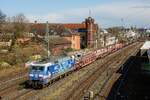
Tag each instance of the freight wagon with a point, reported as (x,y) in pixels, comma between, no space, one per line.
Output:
(44,72)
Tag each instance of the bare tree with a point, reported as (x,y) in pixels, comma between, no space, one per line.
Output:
(116,31)
(2,20)
(17,25)
(19,22)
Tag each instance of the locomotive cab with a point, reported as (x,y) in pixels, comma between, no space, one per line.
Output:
(38,75)
(37,72)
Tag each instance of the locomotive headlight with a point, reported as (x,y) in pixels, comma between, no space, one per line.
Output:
(31,75)
(40,75)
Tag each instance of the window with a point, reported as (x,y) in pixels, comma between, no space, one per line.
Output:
(73,45)
(37,68)
(73,37)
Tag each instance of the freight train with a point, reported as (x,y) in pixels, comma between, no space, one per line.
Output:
(44,72)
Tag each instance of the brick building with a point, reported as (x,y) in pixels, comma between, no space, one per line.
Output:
(86,30)
(58,44)
(75,40)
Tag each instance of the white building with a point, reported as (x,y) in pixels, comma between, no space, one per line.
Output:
(131,34)
(110,40)
(107,38)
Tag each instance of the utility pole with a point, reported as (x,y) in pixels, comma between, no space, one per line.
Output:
(47,33)
(96,44)
(122,22)
(89,13)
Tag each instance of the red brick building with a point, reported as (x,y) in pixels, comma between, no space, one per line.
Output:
(58,44)
(88,30)
(75,40)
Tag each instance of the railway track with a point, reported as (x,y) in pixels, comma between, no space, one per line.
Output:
(62,94)
(12,81)
(15,86)
(33,94)
(78,91)
(12,75)
(23,93)
(29,94)
(112,78)
(49,89)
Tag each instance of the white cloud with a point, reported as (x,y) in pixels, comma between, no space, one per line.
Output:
(53,18)
(132,12)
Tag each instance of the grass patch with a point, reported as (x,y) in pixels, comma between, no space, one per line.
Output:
(12,71)
(22,85)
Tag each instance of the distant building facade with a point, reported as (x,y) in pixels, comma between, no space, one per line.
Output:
(106,38)
(85,31)
(75,40)
(57,44)
(6,40)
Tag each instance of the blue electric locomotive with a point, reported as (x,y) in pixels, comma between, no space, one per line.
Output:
(43,72)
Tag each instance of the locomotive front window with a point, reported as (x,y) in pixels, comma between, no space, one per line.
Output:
(37,68)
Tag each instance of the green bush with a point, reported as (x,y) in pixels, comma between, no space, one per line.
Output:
(69,50)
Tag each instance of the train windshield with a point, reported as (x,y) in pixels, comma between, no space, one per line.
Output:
(37,68)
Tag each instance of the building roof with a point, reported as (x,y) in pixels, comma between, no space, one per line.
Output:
(75,26)
(55,29)
(60,29)
(146,45)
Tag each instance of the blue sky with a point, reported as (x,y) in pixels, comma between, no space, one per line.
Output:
(106,12)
